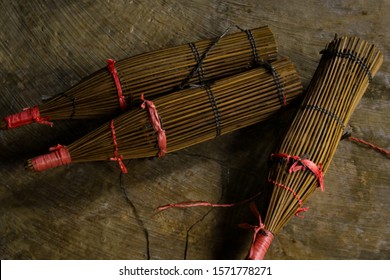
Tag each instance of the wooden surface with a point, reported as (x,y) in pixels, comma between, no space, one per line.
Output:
(90,211)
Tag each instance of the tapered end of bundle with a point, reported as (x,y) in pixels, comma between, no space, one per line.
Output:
(260,245)
(29,165)
(58,156)
(3,124)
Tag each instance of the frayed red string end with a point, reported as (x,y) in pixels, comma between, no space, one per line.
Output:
(301,209)
(375,147)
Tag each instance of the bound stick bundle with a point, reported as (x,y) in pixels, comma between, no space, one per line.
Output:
(344,72)
(184,118)
(119,86)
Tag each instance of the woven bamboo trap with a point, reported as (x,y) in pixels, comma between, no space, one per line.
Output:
(120,85)
(298,165)
(184,118)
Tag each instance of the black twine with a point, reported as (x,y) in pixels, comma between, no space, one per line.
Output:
(326,112)
(73,100)
(199,62)
(210,94)
(200,59)
(277,80)
(353,57)
(253,45)
(214,106)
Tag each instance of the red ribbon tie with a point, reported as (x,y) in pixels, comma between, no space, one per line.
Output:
(114,74)
(262,238)
(302,164)
(156,124)
(59,155)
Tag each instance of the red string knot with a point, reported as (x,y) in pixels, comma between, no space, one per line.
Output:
(114,74)
(59,155)
(27,116)
(262,238)
(303,164)
(156,124)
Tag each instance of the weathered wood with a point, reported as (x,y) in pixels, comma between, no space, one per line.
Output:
(87,211)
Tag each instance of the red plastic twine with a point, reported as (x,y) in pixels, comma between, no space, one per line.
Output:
(156,123)
(117,157)
(189,204)
(379,149)
(300,209)
(201,203)
(114,73)
(27,116)
(262,238)
(59,156)
(302,164)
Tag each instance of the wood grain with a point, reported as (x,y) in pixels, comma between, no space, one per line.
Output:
(87,211)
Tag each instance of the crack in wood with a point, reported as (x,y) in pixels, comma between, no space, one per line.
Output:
(208,212)
(190,228)
(136,216)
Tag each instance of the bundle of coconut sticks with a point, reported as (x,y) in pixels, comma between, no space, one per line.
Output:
(118,86)
(297,167)
(184,118)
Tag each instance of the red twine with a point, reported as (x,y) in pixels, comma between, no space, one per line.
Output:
(27,116)
(59,156)
(300,209)
(201,203)
(117,157)
(262,238)
(114,73)
(156,123)
(188,204)
(302,164)
(369,144)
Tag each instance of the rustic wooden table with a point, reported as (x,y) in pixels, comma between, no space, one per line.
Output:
(90,211)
